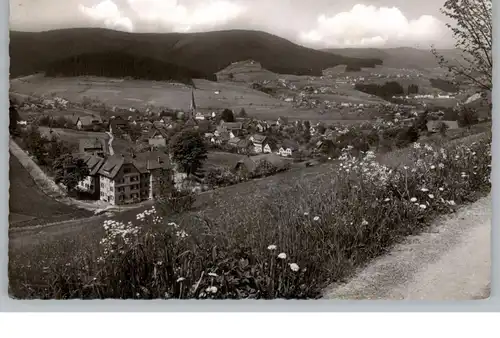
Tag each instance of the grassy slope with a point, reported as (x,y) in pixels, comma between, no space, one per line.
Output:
(204,52)
(27,200)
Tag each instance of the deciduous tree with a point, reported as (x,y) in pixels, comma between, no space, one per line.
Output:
(473,31)
(188,150)
(69,171)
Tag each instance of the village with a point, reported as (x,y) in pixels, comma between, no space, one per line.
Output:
(131,148)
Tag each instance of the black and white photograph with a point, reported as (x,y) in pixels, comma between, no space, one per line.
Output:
(250,149)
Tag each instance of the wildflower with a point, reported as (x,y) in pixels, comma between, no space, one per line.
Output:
(431,196)
(180,279)
(451,202)
(282,255)
(387,200)
(211,289)
(212,274)
(423,206)
(424,189)
(271,247)
(364,222)
(413,199)
(433,167)
(405,168)
(306,213)
(316,218)
(294,267)
(441,189)
(441,165)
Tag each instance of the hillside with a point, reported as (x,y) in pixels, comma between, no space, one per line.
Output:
(116,64)
(206,53)
(402,57)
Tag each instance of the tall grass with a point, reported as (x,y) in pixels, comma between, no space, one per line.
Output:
(293,246)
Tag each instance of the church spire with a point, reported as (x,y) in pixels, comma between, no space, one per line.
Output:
(193,103)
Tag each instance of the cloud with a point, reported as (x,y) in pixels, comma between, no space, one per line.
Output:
(166,15)
(369,26)
(108,13)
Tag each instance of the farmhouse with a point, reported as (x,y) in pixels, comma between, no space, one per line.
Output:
(287,148)
(125,180)
(117,123)
(261,144)
(93,146)
(235,128)
(83,122)
(157,138)
(91,183)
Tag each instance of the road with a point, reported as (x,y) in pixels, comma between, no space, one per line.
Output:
(451,261)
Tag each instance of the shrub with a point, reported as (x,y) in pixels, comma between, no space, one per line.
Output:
(300,239)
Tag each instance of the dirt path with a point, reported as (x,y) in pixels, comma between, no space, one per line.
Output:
(451,261)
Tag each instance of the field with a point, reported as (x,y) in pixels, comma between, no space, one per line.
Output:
(74,136)
(28,205)
(209,95)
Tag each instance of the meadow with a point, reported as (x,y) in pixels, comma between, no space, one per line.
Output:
(287,236)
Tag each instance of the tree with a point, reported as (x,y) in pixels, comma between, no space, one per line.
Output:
(169,199)
(69,171)
(227,115)
(188,150)
(473,33)
(442,128)
(467,117)
(35,143)
(242,113)
(13,118)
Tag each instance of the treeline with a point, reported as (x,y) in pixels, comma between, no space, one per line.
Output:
(122,65)
(445,86)
(385,91)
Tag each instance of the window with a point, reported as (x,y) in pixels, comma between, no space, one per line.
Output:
(126,170)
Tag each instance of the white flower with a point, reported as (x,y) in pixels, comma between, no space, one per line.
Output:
(441,189)
(405,168)
(212,274)
(364,222)
(211,289)
(441,165)
(180,279)
(413,199)
(316,218)
(431,196)
(451,202)
(271,247)
(423,206)
(387,200)
(424,189)
(282,255)
(294,267)
(306,213)
(433,167)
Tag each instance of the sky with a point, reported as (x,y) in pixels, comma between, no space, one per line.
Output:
(312,23)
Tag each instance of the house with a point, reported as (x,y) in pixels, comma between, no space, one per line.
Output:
(282,121)
(261,127)
(245,146)
(84,122)
(259,142)
(157,137)
(236,128)
(118,123)
(288,148)
(233,142)
(126,179)
(221,138)
(93,146)
(91,183)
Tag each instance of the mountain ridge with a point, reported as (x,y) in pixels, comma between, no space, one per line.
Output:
(205,52)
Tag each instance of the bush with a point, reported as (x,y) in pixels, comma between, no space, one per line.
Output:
(302,238)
